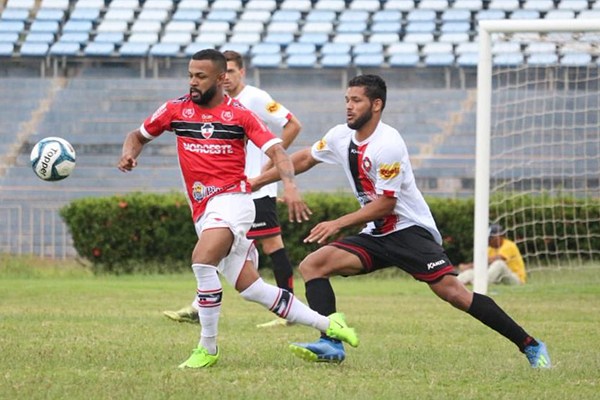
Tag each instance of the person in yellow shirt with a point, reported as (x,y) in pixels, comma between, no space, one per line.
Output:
(505,263)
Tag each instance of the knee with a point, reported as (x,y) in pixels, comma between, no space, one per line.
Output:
(310,267)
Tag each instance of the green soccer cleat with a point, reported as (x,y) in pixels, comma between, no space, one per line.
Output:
(200,359)
(186,314)
(339,329)
(275,323)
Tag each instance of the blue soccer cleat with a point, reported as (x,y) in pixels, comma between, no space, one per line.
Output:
(538,355)
(323,350)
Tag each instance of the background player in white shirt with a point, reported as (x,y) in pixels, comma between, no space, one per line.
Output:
(212,130)
(266,228)
(399,231)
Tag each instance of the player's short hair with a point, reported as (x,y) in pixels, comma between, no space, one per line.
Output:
(375,87)
(234,56)
(213,55)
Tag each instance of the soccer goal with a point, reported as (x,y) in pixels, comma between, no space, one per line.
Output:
(538,141)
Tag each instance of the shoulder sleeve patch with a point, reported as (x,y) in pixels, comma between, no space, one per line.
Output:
(389,171)
(273,107)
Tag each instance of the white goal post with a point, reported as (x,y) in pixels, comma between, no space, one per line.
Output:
(487,30)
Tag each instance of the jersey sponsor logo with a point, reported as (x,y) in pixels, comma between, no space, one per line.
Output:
(200,192)
(227,115)
(321,144)
(208,148)
(389,171)
(207,130)
(188,113)
(367,164)
(273,107)
(258,225)
(161,110)
(355,151)
(206,117)
(434,264)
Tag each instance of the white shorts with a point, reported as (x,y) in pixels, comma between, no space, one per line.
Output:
(236,212)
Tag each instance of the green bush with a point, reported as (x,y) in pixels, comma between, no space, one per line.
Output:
(154,232)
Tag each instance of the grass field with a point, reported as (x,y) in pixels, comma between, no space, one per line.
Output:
(65,334)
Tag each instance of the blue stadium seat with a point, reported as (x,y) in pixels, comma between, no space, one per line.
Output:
(403,60)
(44,26)
(65,49)
(42,37)
(95,49)
(266,60)
(282,38)
(300,48)
(467,59)
(439,60)
(367,48)
(77,37)
(366,5)
(336,48)
(421,15)
(387,16)
(314,38)
(195,47)
(453,14)
(490,14)
(353,16)
(165,50)
(12,26)
(86,14)
(351,38)
(263,16)
(420,27)
(29,49)
(77,26)
(542,59)
(455,27)
(110,37)
(15,14)
(331,5)
(575,5)
(302,61)
(320,16)
(538,5)
(286,16)
(6,49)
(181,38)
(222,15)
(336,60)
(143,37)
(241,48)
(9,37)
(386,27)
(576,59)
(525,14)
(560,14)
(508,59)
(187,15)
(50,14)
(369,60)
(384,38)
(134,49)
(351,27)
(402,48)
(265,48)
(400,5)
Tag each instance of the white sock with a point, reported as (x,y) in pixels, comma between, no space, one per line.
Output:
(284,304)
(208,303)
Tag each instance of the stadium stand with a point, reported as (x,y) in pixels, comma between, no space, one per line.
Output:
(421,41)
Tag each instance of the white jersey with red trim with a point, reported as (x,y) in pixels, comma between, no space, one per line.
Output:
(211,145)
(378,166)
(276,116)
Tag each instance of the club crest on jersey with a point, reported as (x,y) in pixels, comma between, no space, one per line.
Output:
(321,144)
(273,106)
(199,191)
(188,113)
(389,171)
(367,164)
(227,115)
(207,130)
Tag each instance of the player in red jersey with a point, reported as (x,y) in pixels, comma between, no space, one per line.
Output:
(212,130)
(399,228)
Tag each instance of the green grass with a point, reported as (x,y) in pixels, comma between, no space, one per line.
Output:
(66,334)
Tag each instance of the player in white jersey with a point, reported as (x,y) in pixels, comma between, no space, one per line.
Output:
(265,229)
(400,230)
(212,130)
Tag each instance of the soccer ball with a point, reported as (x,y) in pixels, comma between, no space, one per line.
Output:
(52,159)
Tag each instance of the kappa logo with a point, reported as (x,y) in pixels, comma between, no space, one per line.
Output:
(207,130)
(389,171)
(188,112)
(434,264)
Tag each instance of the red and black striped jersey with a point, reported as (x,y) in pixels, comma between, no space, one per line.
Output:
(211,145)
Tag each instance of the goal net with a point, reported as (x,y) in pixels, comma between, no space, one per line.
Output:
(538,141)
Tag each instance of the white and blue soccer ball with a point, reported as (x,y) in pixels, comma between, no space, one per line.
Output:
(52,159)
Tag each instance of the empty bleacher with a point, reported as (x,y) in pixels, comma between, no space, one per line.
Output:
(266,29)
